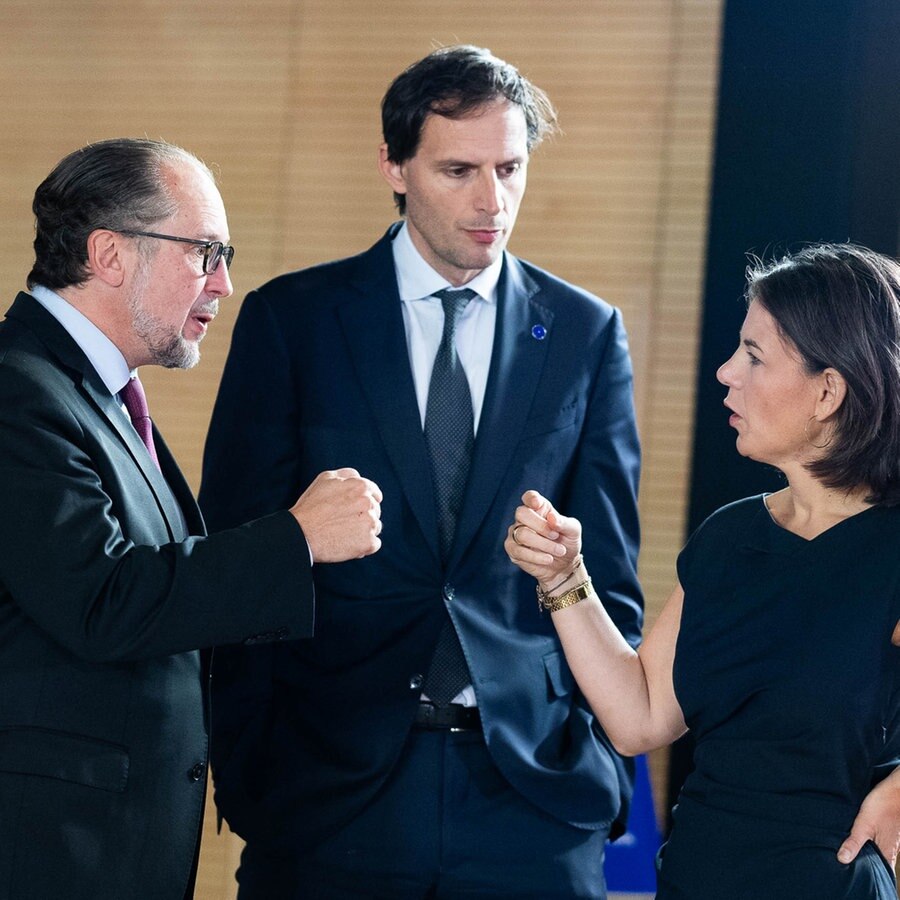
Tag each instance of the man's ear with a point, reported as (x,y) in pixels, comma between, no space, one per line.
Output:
(391,171)
(105,252)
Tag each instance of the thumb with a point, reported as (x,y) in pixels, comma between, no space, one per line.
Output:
(858,836)
(540,504)
(566,526)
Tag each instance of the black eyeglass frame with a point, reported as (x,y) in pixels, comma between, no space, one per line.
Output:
(215,250)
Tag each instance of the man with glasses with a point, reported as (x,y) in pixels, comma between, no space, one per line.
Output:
(108,584)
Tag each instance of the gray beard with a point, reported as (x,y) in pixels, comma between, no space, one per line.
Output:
(172,351)
(167,348)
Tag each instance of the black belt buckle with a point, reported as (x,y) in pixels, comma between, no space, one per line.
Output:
(454,717)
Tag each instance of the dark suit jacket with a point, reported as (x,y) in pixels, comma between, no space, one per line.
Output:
(318,377)
(103,600)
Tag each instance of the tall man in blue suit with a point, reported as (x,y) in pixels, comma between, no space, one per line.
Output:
(430,740)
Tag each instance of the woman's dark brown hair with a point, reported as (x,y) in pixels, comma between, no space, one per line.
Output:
(839,305)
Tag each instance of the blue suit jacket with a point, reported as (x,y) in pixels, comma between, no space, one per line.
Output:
(318,377)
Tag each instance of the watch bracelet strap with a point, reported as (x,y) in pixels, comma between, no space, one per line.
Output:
(569,598)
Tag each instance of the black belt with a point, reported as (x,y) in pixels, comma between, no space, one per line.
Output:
(447,718)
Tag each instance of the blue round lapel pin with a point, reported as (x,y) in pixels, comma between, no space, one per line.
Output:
(538,332)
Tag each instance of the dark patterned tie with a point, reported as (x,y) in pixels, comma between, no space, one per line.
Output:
(450,435)
(135,401)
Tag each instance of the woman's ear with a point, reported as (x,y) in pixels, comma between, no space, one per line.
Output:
(832,391)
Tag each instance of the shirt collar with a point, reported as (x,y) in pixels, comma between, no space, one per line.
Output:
(102,353)
(417,280)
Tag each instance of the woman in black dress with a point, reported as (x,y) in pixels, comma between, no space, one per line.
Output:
(778,647)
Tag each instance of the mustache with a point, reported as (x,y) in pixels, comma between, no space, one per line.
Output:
(207,309)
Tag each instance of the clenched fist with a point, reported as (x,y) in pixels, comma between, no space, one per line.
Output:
(340,514)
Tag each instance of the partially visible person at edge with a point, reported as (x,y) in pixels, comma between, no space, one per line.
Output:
(107,583)
(444,747)
(777,648)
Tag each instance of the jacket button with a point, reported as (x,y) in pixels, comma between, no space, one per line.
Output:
(449,592)
(197,772)
(416,682)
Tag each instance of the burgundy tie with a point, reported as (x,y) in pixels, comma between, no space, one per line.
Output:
(135,401)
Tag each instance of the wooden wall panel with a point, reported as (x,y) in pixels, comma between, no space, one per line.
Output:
(282,97)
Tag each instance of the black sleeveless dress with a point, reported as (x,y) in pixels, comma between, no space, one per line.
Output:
(788,680)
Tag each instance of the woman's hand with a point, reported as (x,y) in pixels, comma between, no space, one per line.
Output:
(878,820)
(542,542)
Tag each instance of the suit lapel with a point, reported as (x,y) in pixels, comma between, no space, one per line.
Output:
(58,341)
(118,420)
(517,361)
(373,328)
(180,489)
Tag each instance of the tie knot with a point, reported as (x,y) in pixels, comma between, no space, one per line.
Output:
(135,399)
(454,300)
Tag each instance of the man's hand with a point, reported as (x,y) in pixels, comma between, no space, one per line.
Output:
(340,514)
(878,820)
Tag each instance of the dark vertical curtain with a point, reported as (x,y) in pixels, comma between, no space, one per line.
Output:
(807,149)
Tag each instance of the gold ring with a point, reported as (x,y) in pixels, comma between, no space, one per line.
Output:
(515,539)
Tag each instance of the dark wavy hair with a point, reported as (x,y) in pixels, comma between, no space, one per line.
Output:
(839,305)
(117,184)
(454,82)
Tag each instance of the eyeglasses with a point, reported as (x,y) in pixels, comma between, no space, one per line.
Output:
(213,251)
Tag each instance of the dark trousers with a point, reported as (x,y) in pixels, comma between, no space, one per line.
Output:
(445,825)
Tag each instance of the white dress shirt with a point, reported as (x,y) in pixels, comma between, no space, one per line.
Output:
(423,318)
